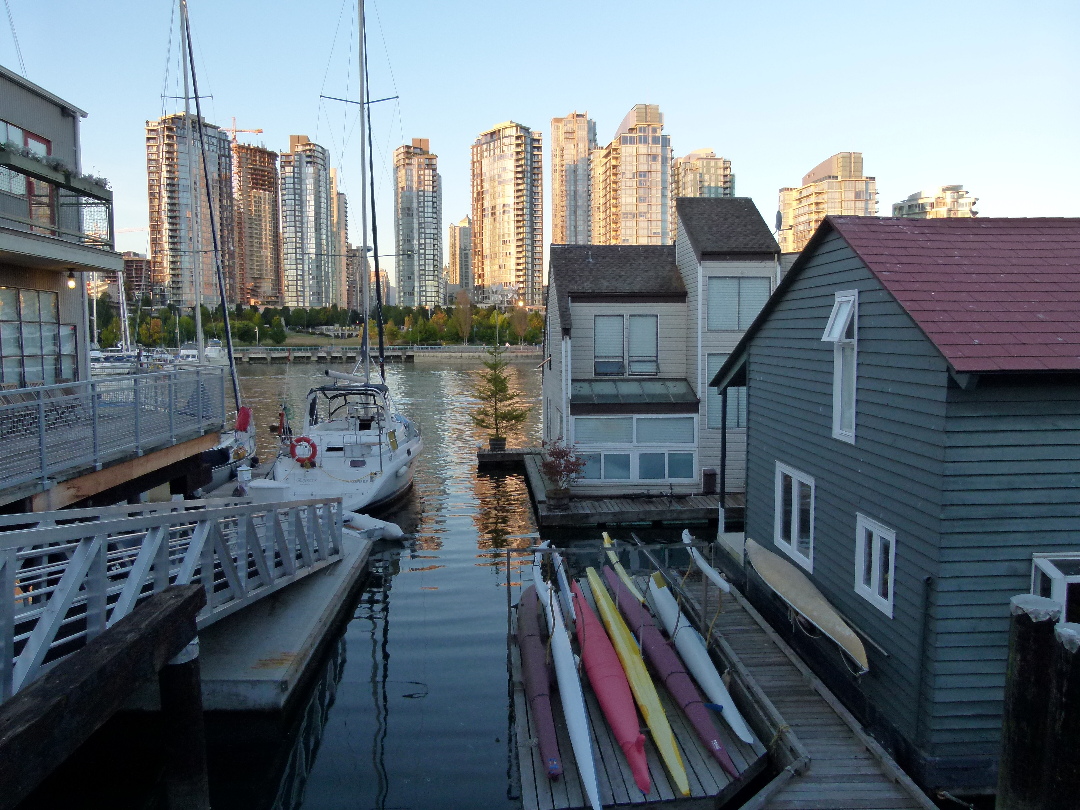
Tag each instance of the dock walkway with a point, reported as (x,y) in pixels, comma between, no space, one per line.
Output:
(848,769)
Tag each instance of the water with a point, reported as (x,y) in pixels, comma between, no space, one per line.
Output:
(420,714)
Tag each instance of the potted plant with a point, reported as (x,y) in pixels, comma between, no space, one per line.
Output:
(562,466)
(499,406)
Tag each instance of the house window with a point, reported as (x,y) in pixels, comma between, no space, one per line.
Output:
(875,561)
(736,406)
(1057,577)
(34,346)
(735,302)
(794,514)
(608,359)
(636,448)
(643,344)
(842,331)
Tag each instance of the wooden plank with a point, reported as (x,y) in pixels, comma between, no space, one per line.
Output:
(43,724)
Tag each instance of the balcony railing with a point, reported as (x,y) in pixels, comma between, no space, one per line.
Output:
(52,430)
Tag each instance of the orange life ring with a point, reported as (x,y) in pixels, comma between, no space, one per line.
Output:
(304,456)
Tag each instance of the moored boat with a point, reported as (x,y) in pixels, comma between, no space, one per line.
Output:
(534,674)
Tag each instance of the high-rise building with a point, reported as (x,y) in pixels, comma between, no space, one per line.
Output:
(937,203)
(835,186)
(459,272)
(631,182)
(700,174)
(181,235)
(508,215)
(573,140)
(258,229)
(418,224)
(137,277)
(354,277)
(339,248)
(307,243)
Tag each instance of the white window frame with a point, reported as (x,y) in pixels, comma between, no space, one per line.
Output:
(791,547)
(845,313)
(1059,581)
(868,529)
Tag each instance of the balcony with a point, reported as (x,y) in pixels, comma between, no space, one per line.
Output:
(53,218)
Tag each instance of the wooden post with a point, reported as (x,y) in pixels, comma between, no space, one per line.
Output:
(186,783)
(1027,684)
(1061,769)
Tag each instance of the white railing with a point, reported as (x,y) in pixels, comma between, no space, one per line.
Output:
(48,430)
(66,576)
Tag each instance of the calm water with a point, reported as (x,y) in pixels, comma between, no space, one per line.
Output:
(418,716)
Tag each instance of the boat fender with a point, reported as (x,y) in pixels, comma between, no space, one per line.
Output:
(303,449)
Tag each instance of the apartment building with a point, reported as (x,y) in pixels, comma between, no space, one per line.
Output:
(258,229)
(836,186)
(573,139)
(339,236)
(700,174)
(942,202)
(508,215)
(459,248)
(306,234)
(418,224)
(137,276)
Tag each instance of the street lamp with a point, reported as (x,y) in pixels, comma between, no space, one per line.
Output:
(256,336)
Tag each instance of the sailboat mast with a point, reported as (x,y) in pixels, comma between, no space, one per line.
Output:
(363,279)
(193,196)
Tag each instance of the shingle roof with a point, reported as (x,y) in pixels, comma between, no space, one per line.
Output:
(724,226)
(631,271)
(993,294)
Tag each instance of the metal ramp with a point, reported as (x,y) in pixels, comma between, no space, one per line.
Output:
(68,575)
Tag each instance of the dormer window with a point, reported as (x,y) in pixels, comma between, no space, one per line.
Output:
(842,331)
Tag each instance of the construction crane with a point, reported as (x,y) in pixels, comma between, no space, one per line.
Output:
(233,130)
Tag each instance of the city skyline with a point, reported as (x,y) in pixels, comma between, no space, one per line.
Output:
(1017,68)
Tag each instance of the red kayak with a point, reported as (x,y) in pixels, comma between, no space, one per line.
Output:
(612,690)
(667,665)
(534,673)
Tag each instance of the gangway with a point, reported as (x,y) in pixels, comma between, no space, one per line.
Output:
(67,575)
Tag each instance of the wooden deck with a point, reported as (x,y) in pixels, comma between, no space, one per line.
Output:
(848,770)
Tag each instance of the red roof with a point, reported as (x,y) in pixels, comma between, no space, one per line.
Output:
(993,294)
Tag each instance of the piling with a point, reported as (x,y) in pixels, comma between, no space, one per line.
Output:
(1061,771)
(1027,684)
(186,783)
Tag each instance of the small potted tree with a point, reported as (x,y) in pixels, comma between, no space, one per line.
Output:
(562,466)
(499,406)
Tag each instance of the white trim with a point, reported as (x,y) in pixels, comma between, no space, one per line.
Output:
(791,548)
(1045,563)
(845,312)
(872,592)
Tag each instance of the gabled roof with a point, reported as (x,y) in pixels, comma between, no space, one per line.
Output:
(991,294)
(724,226)
(613,272)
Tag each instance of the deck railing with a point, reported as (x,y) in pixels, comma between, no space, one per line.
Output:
(66,576)
(51,429)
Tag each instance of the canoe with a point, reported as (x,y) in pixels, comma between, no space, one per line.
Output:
(800,594)
(694,653)
(612,690)
(570,694)
(613,557)
(641,684)
(666,664)
(534,674)
(711,573)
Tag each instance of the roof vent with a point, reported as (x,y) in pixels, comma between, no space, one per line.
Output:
(588,257)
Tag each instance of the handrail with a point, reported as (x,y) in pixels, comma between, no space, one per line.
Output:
(64,584)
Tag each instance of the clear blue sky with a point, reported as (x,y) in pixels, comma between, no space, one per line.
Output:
(983,94)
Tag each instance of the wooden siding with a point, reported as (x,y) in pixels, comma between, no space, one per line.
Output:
(671,344)
(551,389)
(892,474)
(39,116)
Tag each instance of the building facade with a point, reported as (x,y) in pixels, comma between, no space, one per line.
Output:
(418,224)
(181,227)
(836,186)
(631,182)
(573,139)
(700,174)
(307,243)
(137,277)
(339,233)
(942,202)
(459,269)
(508,215)
(258,228)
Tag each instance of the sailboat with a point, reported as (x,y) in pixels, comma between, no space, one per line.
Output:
(354,443)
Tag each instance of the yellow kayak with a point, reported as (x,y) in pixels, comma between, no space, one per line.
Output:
(609,546)
(640,682)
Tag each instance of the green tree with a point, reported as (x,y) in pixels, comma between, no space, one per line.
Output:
(499,406)
(463,315)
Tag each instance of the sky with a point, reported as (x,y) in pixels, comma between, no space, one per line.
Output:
(983,94)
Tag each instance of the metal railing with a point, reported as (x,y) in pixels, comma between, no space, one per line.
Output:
(51,429)
(65,582)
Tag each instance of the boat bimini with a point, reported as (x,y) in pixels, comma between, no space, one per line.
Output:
(355,445)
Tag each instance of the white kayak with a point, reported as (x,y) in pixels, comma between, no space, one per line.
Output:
(573,700)
(694,653)
(711,573)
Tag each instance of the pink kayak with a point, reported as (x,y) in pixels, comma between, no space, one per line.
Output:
(537,680)
(612,690)
(667,665)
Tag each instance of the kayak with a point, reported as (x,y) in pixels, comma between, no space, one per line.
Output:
(573,700)
(711,573)
(612,690)
(534,674)
(665,663)
(641,684)
(613,557)
(694,653)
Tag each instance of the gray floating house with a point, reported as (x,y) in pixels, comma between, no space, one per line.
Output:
(913,412)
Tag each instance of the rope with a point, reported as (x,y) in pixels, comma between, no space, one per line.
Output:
(776,737)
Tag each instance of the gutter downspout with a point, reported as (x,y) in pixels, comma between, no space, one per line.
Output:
(565,427)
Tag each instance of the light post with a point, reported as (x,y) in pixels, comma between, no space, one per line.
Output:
(256,336)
